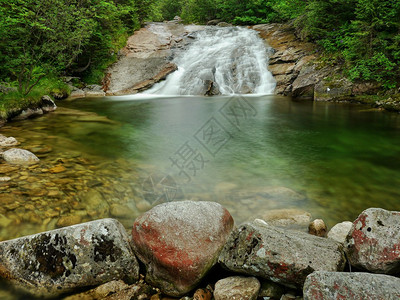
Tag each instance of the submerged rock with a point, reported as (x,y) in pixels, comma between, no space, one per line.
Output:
(179,242)
(237,288)
(19,157)
(283,256)
(289,218)
(58,261)
(7,141)
(374,241)
(336,285)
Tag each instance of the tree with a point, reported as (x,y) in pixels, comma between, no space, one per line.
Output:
(39,37)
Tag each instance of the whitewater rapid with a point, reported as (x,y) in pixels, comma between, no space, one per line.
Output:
(220,61)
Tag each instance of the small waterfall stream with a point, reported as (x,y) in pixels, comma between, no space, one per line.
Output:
(220,61)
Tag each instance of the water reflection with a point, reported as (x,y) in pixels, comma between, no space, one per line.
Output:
(333,160)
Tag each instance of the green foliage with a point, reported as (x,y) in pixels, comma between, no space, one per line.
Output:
(362,33)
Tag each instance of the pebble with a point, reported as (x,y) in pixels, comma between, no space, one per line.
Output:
(317,228)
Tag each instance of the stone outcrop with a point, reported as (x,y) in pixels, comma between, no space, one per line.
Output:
(373,242)
(179,242)
(146,58)
(295,66)
(54,262)
(283,256)
(237,288)
(336,285)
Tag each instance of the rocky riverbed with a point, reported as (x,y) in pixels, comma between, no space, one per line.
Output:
(191,250)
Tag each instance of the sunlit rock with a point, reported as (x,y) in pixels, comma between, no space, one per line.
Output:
(283,256)
(374,241)
(179,242)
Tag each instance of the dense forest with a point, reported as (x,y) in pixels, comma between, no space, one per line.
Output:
(43,40)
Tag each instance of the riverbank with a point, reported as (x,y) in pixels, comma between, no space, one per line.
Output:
(192,250)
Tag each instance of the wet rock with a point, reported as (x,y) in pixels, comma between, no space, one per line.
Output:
(5,179)
(117,290)
(179,242)
(283,256)
(47,104)
(7,141)
(290,218)
(317,228)
(78,93)
(237,288)
(213,22)
(28,113)
(94,90)
(373,242)
(68,221)
(335,285)
(340,231)
(224,24)
(5,168)
(202,294)
(19,157)
(57,169)
(270,289)
(54,262)
(333,90)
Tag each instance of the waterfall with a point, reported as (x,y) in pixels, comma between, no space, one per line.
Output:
(220,61)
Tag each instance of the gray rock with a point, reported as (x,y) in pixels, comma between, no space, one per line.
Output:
(179,242)
(7,141)
(340,231)
(335,285)
(224,24)
(237,288)
(270,289)
(48,104)
(28,113)
(63,260)
(373,242)
(283,256)
(289,218)
(117,290)
(19,157)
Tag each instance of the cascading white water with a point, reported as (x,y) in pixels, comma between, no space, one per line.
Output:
(228,60)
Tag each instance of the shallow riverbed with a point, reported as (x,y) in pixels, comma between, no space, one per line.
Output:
(118,156)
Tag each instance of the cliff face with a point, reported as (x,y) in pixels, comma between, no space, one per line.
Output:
(300,74)
(146,58)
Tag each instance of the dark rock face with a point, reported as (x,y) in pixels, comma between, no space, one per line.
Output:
(297,72)
(335,285)
(179,242)
(54,262)
(373,243)
(283,256)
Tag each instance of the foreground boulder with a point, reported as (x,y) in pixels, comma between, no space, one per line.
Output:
(335,285)
(283,256)
(58,261)
(20,157)
(237,288)
(179,242)
(373,242)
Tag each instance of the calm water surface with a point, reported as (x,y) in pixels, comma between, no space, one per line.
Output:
(251,154)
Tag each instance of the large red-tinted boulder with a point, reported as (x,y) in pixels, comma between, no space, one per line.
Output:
(179,242)
(340,285)
(373,243)
(283,256)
